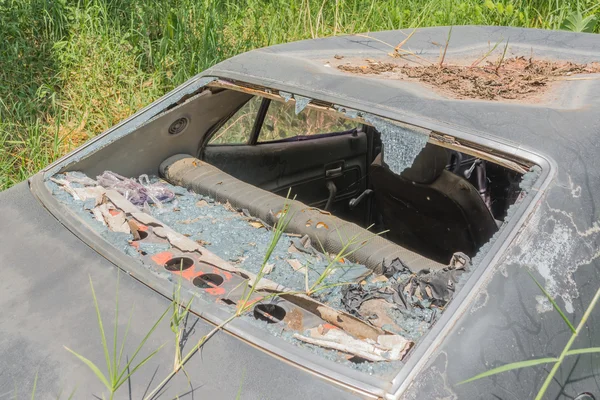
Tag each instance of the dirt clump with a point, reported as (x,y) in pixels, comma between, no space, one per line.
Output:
(513,78)
(372,67)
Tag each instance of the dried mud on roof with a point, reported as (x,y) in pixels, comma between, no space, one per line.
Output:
(516,78)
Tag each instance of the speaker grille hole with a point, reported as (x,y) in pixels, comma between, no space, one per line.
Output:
(178,126)
(143,235)
(270,313)
(179,264)
(207,281)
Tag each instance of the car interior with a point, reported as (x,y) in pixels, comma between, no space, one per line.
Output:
(446,202)
(252,151)
(371,250)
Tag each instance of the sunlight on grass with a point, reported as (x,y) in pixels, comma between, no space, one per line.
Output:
(69,70)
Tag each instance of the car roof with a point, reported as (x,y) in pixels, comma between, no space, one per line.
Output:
(305,68)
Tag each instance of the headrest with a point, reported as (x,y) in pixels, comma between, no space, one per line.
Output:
(427,167)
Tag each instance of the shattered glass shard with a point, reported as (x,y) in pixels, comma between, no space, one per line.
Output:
(285,95)
(301,103)
(401,144)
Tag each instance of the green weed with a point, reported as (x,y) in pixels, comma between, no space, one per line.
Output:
(243,305)
(117,374)
(71,69)
(178,317)
(555,361)
(351,245)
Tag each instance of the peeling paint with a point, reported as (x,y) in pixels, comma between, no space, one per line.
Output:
(436,380)
(545,245)
(543,304)
(481,301)
(575,189)
(556,247)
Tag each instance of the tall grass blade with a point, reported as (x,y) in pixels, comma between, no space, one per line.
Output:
(93,367)
(510,367)
(583,351)
(567,348)
(102,335)
(34,386)
(125,337)
(551,300)
(72,394)
(116,331)
(144,361)
(126,368)
(239,393)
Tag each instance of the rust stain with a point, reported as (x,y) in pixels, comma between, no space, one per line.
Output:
(226,275)
(216,291)
(295,320)
(162,258)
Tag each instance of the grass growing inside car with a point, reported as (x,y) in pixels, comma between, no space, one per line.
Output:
(243,306)
(70,70)
(179,316)
(117,373)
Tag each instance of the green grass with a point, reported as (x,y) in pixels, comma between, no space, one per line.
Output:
(71,68)
(117,373)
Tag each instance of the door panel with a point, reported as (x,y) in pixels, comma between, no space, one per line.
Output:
(301,165)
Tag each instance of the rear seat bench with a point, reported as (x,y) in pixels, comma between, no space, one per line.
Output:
(332,232)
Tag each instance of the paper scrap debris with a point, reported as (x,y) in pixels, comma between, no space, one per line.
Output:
(387,347)
(296,265)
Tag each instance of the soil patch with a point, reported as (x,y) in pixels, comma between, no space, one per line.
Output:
(514,78)
(373,67)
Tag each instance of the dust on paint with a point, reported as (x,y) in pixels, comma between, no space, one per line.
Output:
(556,247)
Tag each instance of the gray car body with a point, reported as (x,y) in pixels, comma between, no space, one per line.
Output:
(498,317)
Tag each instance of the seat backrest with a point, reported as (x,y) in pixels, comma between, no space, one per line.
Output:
(429,209)
(323,228)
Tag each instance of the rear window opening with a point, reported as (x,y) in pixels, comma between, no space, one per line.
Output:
(370,257)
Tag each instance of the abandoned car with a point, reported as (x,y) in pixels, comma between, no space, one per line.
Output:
(357,219)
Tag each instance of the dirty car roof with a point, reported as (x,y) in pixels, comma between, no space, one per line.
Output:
(302,68)
(560,240)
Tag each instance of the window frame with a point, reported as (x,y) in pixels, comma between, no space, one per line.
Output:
(256,126)
(358,128)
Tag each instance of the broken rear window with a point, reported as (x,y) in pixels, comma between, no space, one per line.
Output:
(382,219)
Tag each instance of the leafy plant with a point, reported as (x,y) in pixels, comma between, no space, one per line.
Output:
(556,361)
(117,374)
(576,22)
